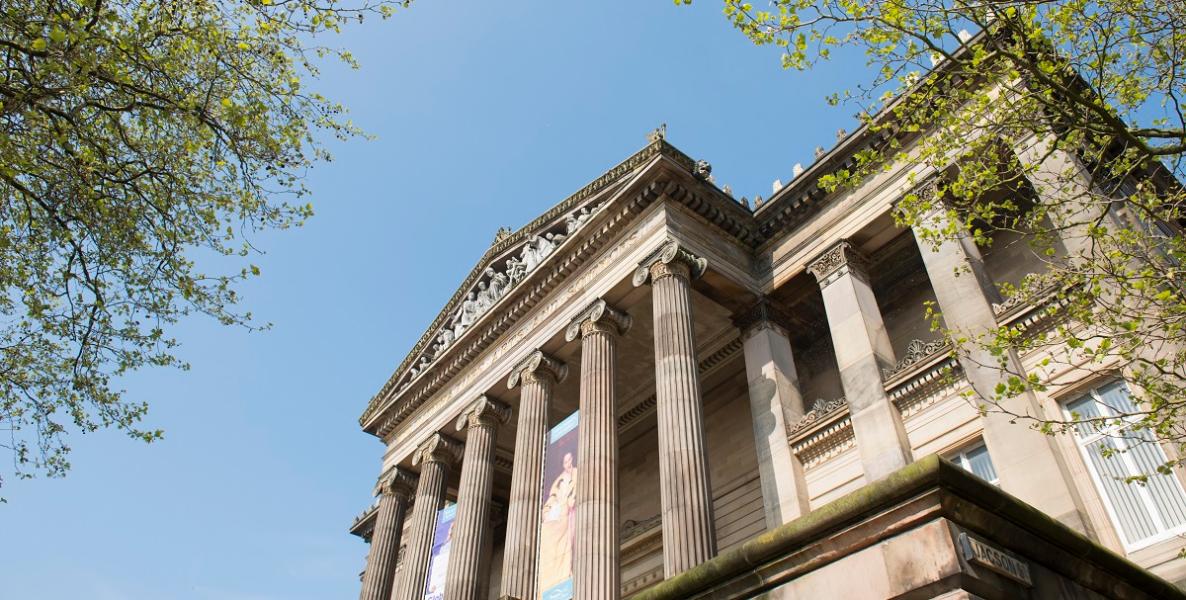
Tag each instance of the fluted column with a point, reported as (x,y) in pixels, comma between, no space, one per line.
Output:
(471,526)
(595,553)
(435,456)
(776,404)
(862,351)
(538,374)
(1028,462)
(395,491)
(689,536)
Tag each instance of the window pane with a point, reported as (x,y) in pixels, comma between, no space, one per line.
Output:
(1166,492)
(1135,521)
(1115,396)
(1084,408)
(980,464)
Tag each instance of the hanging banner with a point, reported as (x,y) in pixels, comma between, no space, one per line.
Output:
(439,560)
(557,508)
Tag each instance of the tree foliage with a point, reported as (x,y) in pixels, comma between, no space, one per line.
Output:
(137,136)
(1057,125)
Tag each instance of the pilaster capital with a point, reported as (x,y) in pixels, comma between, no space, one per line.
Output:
(841,259)
(669,260)
(537,366)
(438,448)
(932,189)
(762,313)
(598,317)
(484,412)
(397,482)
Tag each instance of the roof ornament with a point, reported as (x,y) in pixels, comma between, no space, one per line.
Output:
(660,133)
(500,235)
(819,151)
(797,170)
(702,170)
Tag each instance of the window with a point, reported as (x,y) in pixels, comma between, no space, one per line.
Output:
(975,460)
(1144,513)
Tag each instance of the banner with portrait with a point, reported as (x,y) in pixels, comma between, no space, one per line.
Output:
(557,505)
(438,561)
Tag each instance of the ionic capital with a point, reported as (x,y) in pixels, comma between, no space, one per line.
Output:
(485,412)
(438,448)
(397,482)
(669,260)
(537,366)
(598,317)
(762,313)
(841,259)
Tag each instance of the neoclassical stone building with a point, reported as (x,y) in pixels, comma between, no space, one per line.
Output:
(744,371)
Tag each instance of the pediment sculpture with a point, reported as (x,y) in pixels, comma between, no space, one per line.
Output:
(497,280)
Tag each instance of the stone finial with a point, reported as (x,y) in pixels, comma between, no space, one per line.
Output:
(819,151)
(841,134)
(702,170)
(842,258)
(535,365)
(485,411)
(670,259)
(797,170)
(660,133)
(438,448)
(398,482)
(777,185)
(500,235)
(760,314)
(597,317)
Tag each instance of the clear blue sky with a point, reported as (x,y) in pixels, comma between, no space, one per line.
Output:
(487,113)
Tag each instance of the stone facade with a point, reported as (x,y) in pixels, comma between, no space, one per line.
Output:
(738,372)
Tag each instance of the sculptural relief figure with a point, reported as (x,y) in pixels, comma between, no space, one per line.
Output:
(467,314)
(515,270)
(484,300)
(575,219)
(498,284)
(444,340)
(531,254)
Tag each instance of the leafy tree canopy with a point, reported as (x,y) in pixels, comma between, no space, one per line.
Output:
(137,134)
(1058,125)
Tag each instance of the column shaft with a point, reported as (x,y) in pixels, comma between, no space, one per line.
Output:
(471,526)
(539,375)
(1028,462)
(862,350)
(435,457)
(775,405)
(378,579)
(595,557)
(689,536)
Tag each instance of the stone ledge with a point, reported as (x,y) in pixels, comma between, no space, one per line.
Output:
(927,491)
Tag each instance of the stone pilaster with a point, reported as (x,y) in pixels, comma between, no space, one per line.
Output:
(395,492)
(775,406)
(689,536)
(595,555)
(435,456)
(471,526)
(1028,462)
(862,350)
(538,374)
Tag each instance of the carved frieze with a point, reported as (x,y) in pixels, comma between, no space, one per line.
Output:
(916,351)
(841,259)
(597,317)
(670,259)
(820,411)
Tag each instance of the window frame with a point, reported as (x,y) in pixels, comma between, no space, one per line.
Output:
(1115,432)
(959,456)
